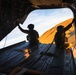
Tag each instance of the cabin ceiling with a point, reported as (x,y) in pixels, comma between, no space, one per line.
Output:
(18,10)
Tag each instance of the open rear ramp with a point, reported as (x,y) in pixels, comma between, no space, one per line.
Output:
(60,63)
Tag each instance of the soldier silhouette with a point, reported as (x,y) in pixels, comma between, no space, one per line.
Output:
(33,35)
(60,36)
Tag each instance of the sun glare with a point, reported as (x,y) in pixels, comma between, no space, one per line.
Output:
(26,53)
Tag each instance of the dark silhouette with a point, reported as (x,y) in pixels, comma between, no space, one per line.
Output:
(60,36)
(32,35)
